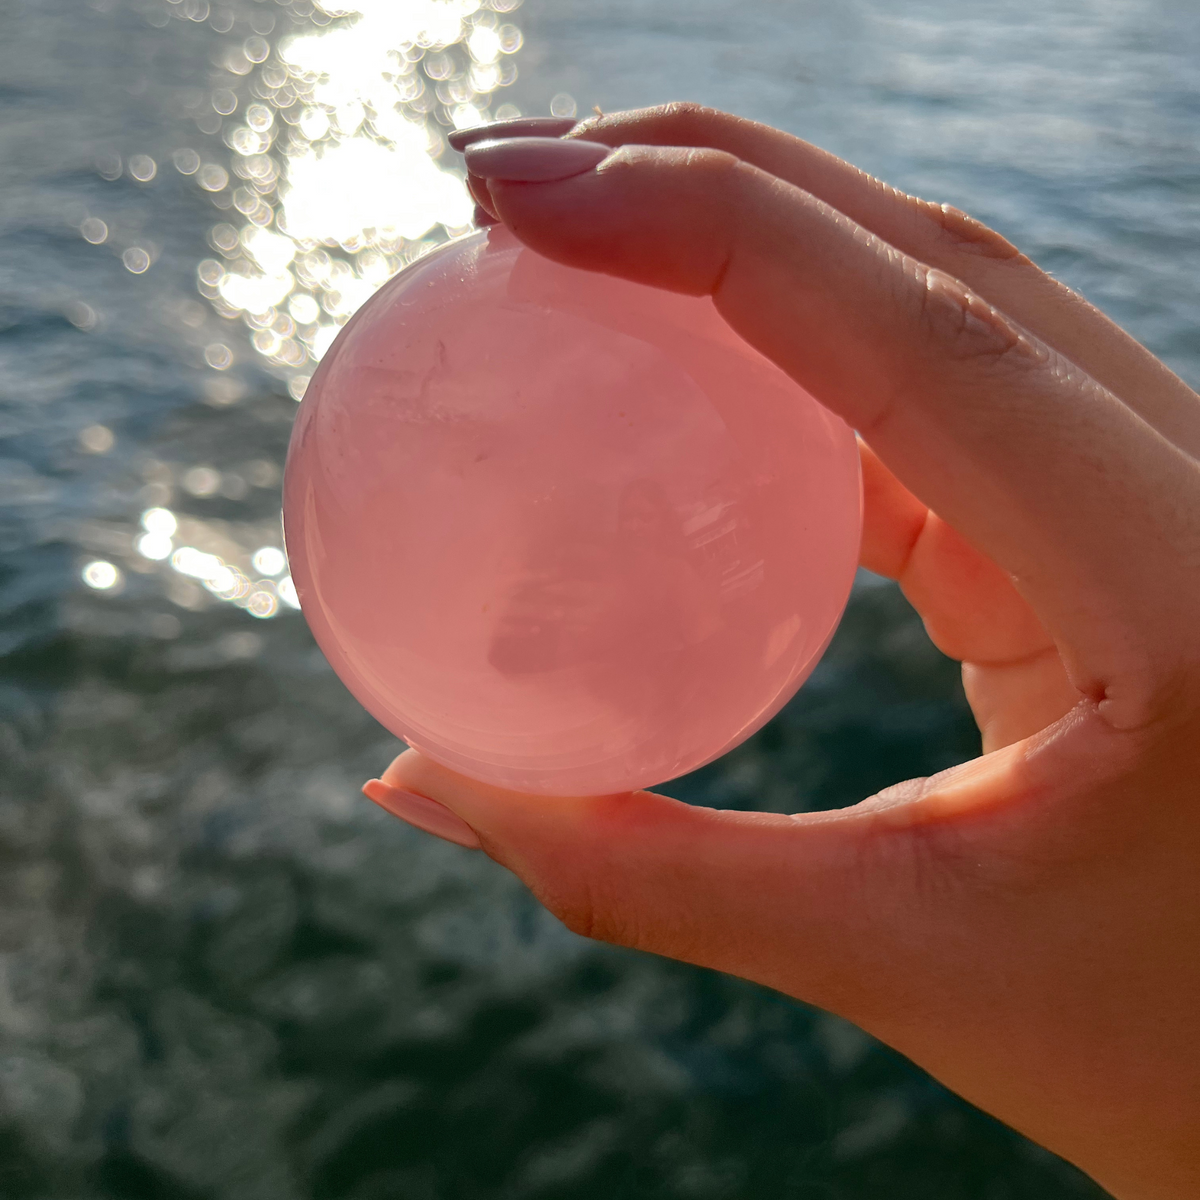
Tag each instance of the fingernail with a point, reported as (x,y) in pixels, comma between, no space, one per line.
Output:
(483,218)
(534,159)
(550,127)
(425,814)
(480,194)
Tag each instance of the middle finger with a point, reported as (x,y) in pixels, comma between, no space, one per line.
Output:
(937,235)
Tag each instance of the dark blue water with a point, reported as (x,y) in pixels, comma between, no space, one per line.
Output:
(222,973)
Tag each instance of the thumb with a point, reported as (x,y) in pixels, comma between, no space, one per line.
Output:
(827,907)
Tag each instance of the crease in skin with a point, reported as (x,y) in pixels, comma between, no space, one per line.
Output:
(910,549)
(963,321)
(969,788)
(1025,641)
(1048,650)
(968,234)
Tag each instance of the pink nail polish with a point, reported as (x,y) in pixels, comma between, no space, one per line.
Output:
(550,127)
(427,815)
(534,159)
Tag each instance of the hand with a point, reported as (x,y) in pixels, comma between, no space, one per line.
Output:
(1025,926)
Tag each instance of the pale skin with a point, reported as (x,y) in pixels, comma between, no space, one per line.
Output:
(1025,926)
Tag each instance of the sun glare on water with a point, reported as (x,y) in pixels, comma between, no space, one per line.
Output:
(329,176)
(335,180)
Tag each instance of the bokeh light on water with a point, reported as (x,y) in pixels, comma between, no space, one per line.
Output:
(334,181)
(326,127)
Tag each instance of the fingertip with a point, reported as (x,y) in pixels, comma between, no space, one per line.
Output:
(422,813)
(651,214)
(482,197)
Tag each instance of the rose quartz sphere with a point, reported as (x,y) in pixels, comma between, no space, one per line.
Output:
(564,533)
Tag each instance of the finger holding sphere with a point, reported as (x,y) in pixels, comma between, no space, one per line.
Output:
(1044,470)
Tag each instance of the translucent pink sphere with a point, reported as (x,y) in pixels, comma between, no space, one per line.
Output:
(563,533)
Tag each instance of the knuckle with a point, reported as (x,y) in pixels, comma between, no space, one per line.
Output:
(701,166)
(965,233)
(962,325)
(590,914)
(575,911)
(720,167)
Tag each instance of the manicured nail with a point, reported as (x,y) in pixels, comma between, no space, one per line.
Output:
(425,814)
(480,194)
(460,139)
(534,159)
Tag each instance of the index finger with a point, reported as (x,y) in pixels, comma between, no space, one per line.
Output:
(939,236)
(1044,470)
(935,234)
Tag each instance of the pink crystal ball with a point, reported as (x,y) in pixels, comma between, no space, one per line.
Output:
(564,533)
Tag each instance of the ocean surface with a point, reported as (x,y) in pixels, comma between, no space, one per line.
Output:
(223,974)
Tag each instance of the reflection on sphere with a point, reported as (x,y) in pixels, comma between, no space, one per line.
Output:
(562,532)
